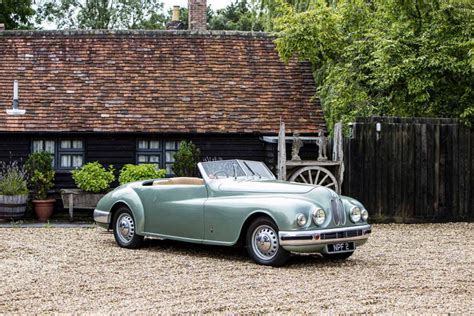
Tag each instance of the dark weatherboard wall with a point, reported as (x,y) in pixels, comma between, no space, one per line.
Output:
(121,149)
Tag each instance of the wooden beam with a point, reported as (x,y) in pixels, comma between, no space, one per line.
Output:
(281,152)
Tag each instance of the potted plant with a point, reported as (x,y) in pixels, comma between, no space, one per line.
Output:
(40,170)
(186,159)
(13,191)
(93,181)
(131,173)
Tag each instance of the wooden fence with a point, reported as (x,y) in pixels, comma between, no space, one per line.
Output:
(411,170)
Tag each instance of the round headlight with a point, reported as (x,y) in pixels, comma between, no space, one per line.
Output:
(319,216)
(301,219)
(364,215)
(355,214)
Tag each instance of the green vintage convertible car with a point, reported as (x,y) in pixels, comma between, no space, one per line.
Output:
(237,201)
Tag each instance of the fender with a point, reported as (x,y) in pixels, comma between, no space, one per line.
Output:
(130,198)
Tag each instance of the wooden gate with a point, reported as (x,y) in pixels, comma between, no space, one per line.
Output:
(411,170)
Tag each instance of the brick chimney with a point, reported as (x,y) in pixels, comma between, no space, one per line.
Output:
(197,14)
(175,23)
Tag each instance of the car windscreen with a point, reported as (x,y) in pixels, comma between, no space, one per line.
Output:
(257,169)
(223,169)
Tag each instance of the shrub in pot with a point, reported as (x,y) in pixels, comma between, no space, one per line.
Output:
(13,191)
(131,173)
(93,181)
(93,177)
(186,159)
(41,174)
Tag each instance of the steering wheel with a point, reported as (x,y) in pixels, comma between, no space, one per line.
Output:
(220,171)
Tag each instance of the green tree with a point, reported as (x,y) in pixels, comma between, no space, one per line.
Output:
(402,57)
(272,9)
(16,14)
(102,14)
(186,159)
(241,15)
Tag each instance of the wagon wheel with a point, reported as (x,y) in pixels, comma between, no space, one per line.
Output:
(317,176)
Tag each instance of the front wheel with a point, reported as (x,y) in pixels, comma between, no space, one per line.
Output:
(338,256)
(124,229)
(263,244)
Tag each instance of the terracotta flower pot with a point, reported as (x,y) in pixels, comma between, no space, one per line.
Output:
(43,209)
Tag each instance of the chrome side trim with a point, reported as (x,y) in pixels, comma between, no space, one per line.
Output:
(306,238)
(101,216)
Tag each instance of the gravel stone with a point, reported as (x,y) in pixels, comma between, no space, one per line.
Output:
(402,269)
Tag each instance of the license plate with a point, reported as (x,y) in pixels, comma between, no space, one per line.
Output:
(341,247)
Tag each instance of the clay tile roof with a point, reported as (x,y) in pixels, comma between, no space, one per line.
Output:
(153,81)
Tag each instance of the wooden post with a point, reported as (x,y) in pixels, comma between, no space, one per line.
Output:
(281,153)
(338,151)
(71,206)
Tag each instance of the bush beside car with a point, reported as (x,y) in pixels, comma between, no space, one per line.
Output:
(131,173)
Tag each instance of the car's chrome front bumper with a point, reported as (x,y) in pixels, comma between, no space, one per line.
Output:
(321,237)
(101,217)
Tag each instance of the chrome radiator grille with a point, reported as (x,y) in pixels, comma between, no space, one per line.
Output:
(338,213)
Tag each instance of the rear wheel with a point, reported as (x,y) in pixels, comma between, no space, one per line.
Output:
(125,230)
(337,256)
(263,244)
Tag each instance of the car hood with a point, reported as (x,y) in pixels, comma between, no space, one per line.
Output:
(265,186)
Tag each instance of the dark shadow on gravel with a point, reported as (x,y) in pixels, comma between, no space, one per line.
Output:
(235,254)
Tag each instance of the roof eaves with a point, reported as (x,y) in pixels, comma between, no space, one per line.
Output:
(147,33)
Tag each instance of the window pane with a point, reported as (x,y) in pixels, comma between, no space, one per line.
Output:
(49,146)
(170,156)
(65,161)
(66,144)
(169,169)
(171,145)
(37,146)
(154,144)
(154,159)
(143,144)
(77,144)
(142,159)
(77,161)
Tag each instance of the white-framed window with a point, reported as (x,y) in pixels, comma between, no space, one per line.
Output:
(159,152)
(171,147)
(149,151)
(70,154)
(47,146)
(67,154)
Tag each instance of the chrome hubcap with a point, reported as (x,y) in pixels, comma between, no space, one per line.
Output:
(265,242)
(125,228)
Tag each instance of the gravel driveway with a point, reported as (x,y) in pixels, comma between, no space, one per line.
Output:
(403,268)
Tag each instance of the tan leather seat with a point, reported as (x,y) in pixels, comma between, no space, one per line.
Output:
(179,180)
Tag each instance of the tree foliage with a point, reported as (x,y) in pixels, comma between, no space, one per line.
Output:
(241,15)
(186,159)
(401,57)
(16,14)
(102,14)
